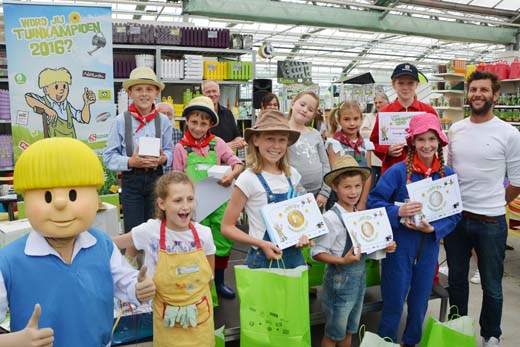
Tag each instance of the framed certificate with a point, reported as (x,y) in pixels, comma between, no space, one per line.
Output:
(370,229)
(440,198)
(393,125)
(288,220)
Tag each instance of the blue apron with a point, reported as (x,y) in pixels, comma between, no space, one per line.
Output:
(291,257)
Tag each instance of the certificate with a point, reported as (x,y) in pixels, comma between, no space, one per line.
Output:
(439,198)
(370,229)
(288,220)
(393,125)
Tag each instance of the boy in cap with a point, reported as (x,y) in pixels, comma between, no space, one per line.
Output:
(139,173)
(405,80)
(342,303)
(196,152)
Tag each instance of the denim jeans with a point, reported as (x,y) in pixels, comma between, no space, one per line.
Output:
(138,197)
(489,241)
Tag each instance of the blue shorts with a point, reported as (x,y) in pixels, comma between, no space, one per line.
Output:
(342,301)
(292,257)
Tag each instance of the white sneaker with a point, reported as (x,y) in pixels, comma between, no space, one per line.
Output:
(476,280)
(492,342)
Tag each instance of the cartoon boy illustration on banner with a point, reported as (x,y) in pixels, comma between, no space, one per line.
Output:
(57,112)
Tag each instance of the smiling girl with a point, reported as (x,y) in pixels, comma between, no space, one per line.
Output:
(172,241)
(407,274)
(268,179)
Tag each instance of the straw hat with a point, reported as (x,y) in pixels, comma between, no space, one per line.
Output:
(142,75)
(271,120)
(344,164)
(423,122)
(201,103)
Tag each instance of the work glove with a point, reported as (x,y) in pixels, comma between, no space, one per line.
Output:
(170,314)
(192,313)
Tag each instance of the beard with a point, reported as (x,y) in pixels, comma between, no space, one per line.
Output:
(482,111)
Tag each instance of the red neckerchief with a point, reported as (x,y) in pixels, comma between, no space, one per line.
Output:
(419,167)
(189,141)
(142,120)
(341,137)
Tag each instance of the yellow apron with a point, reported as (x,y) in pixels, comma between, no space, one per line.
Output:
(183,279)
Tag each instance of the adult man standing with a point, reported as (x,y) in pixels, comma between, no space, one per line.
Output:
(405,79)
(227,126)
(482,149)
(167,109)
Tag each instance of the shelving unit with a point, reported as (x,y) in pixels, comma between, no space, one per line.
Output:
(231,90)
(455,113)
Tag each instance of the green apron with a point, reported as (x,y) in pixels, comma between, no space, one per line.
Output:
(197,167)
(60,127)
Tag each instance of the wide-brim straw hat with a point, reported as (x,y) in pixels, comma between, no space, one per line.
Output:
(344,164)
(271,120)
(201,103)
(422,123)
(142,75)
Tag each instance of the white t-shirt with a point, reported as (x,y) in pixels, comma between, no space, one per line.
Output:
(146,237)
(250,185)
(481,154)
(334,241)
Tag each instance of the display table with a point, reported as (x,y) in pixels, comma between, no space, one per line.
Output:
(8,201)
(106,220)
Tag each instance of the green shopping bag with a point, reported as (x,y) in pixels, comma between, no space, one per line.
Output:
(274,307)
(214,295)
(458,332)
(373,276)
(220,339)
(316,268)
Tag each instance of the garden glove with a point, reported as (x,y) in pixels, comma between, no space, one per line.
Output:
(192,315)
(170,314)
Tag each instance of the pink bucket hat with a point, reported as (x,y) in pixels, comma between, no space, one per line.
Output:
(423,122)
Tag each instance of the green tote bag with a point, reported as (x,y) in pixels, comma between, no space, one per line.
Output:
(459,332)
(274,307)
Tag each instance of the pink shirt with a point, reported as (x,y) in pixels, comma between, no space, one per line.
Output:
(225,155)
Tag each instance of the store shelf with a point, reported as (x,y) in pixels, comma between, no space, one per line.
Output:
(450,75)
(448,108)
(7,168)
(501,106)
(454,92)
(199,50)
(5,121)
(514,80)
(121,80)
(4,79)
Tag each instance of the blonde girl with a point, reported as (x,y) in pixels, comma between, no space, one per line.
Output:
(182,304)
(269,178)
(407,274)
(308,154)
(345,139)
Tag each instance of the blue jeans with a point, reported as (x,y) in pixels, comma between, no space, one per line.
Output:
(489,241)
(138,197)
(342,300)
(292,257)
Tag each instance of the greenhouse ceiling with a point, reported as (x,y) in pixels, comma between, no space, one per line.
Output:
(334,47)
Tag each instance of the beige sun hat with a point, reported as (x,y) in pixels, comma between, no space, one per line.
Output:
(142,75)
(201,103)
(344,164)
(271,120)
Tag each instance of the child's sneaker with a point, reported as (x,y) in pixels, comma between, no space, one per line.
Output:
(476,280)
(492,342)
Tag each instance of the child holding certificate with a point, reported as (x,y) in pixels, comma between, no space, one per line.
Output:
(344,280)
(269,178)
(408,273)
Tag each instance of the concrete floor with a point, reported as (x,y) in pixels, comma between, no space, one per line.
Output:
(511,287)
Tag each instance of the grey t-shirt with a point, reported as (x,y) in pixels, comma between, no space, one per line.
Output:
(309,157)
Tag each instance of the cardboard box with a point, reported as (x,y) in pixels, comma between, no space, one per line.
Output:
(12,230)
(219,171)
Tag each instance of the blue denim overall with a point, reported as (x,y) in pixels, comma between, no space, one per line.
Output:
(291,257)
(343,293)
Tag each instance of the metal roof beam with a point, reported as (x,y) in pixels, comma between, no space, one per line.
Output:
(285,13)
(450,6)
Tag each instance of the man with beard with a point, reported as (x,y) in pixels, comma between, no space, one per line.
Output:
(482,149)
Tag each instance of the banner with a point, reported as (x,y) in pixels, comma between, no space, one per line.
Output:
(60,73)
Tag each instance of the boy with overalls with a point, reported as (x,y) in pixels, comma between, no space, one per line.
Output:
(195,153)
